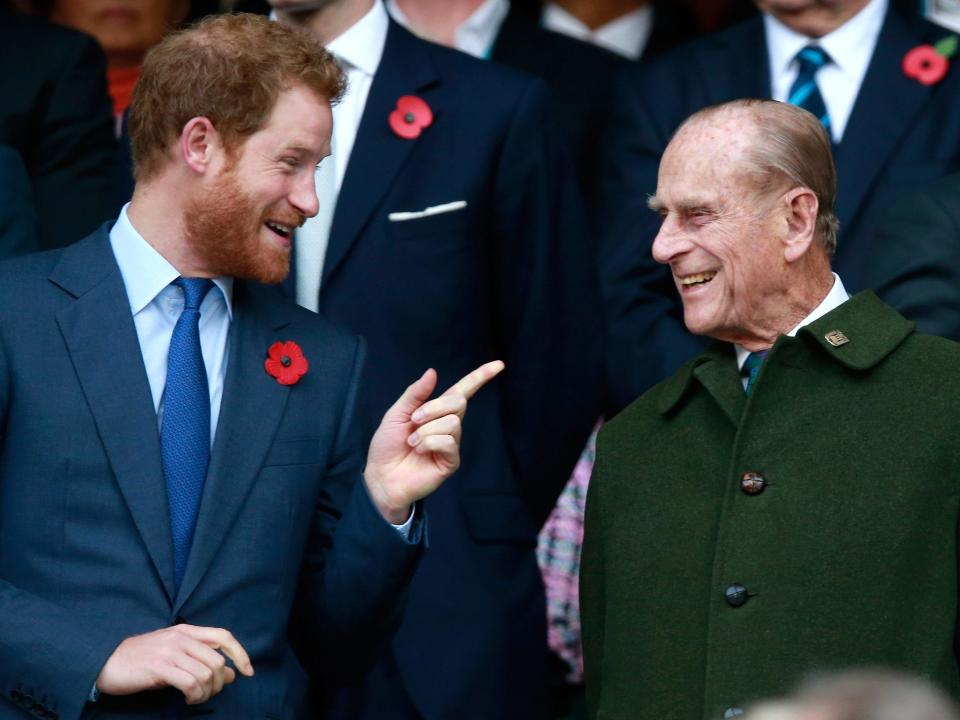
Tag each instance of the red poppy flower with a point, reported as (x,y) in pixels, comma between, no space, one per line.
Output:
(411,117)
(924,64)
(286,363)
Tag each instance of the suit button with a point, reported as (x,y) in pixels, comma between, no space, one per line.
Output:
(732,712)
(736,595)
(752,483)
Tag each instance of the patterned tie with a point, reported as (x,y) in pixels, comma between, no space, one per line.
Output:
(185,430)
(751,368)
(805,92)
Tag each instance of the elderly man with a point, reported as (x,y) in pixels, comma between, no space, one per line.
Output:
(787,500)
(179,455)
(843,60)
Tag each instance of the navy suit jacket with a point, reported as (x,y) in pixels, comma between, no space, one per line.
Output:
(85,546)
(916,266)
(900,134)
(509,276)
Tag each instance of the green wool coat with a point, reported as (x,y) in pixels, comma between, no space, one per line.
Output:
(848,554)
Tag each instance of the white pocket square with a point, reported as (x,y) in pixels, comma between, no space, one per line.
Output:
(435,210)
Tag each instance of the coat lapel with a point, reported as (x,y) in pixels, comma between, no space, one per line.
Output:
(877,124)
(718,374)
(251,409)
(378,154)
(102,341)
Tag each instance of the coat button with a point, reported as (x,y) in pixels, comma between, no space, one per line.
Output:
(752,483)
(736,595)
(732,712)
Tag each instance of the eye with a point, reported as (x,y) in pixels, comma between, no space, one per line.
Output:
(292,162)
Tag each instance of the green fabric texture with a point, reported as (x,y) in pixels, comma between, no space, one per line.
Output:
(849,553)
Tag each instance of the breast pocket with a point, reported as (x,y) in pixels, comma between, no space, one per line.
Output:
(297,451)
(432,234)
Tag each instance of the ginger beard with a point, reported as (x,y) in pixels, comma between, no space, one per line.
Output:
(226,229)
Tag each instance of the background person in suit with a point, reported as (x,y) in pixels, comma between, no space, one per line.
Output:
(18,217)
(808,522)
(882,149)
(56,115)
(124,551)
(915,265)
(457,205)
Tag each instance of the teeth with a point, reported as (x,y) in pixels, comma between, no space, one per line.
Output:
(697,279)
(284,230)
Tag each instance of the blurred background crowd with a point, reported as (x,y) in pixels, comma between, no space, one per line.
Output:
(620,76)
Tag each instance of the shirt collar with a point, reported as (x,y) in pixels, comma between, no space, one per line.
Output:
(146,272)
(626,35)
(361,45)
(850,46)
(836,297)
(477,33)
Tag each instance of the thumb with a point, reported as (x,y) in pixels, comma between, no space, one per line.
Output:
(413,397)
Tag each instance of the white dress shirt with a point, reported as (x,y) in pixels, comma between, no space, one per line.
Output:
(627,35)
(834,299)
(475,35)
(156,307)
(850,48)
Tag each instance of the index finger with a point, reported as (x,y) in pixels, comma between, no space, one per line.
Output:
(220,639)
(473,381)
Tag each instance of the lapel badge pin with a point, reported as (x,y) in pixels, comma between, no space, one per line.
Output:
(286,363)
(410,117)
(836,338)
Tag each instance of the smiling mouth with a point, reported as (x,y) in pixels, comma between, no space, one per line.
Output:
(284,231)
(696,280)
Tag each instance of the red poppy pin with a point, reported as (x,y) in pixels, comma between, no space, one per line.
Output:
(927,64)
(410,117)
(285,362)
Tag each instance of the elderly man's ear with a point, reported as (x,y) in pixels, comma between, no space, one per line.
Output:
(800,209)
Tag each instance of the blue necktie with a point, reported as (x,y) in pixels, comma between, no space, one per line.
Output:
(805,92)
(185,430)
(751,368)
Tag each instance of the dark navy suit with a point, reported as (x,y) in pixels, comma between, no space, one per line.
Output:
(509,276)
(900,134)
(86,555)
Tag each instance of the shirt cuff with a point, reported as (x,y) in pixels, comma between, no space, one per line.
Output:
(404,529)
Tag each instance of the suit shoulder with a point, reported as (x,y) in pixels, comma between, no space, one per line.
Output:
(474,74)
(26,271)
(41,39)
(272,300)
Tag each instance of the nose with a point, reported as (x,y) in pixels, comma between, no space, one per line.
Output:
(670,241)
(303,195)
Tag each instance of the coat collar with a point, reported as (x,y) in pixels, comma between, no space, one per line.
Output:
(871,329)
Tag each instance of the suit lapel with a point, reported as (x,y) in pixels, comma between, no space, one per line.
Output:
(102,342)
(378,154)
(251,409)
(877,124)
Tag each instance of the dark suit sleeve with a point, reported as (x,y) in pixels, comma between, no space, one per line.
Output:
(915,260)
(73,156)
(646,338)
(50,657)
(549,313)
(356,564)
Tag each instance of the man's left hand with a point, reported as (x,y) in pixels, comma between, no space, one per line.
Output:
(417,445)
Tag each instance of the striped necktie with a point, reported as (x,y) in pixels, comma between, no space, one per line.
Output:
(751,368)
(805,92)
